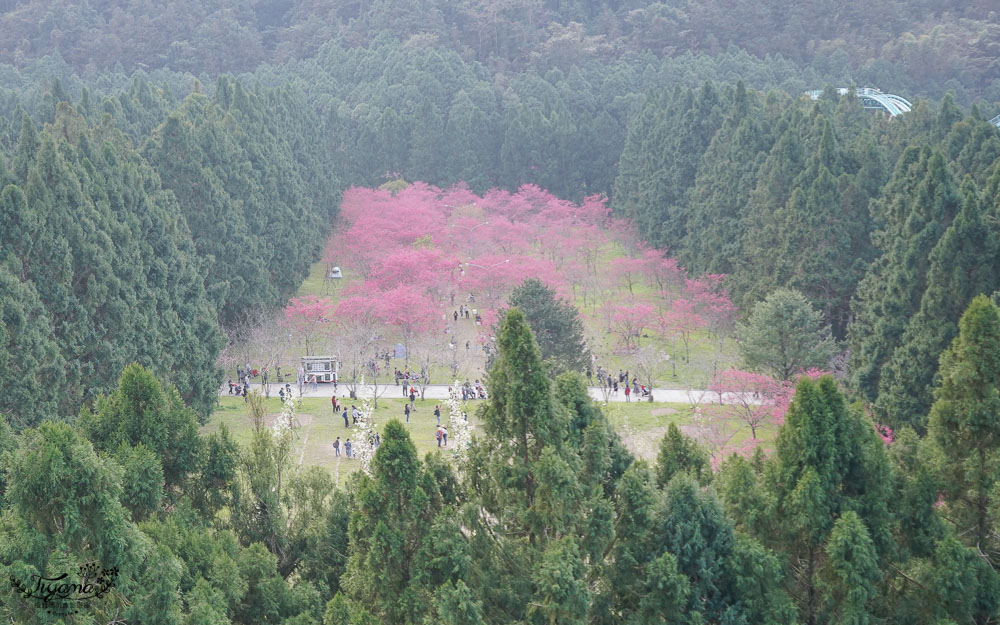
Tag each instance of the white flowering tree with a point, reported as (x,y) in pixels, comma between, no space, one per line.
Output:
(364,446)
(458,424)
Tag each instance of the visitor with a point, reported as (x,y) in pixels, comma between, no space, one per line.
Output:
(406,411)
(333,402)
(437,413)
(628,392)
(413,397)
(336,447)
(346,424)
(231,386)
(437,435)
(355,413)
(444,435)
(347,448)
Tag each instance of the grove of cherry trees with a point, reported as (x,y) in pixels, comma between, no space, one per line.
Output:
(430,268)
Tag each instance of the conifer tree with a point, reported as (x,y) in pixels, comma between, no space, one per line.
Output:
(919,204)
(963,425)
(829,461)
(556,325)
(391,531)
(679,453)
(785,336)
(962,265)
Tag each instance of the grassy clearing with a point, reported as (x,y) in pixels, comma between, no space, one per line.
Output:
(708,353)
(640,424)
(313,445)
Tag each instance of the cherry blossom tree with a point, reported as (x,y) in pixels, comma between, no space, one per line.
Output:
(628,322)
(356,335)
(306,317)
(628,271)
(752,397)
(409,310)
(711,300)
(680,320)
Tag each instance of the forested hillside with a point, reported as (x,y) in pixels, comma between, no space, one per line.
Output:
(923,47)
(888,225)
(170,171)
(116,253)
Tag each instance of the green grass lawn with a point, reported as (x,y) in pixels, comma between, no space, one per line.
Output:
(312,445)
(640,424)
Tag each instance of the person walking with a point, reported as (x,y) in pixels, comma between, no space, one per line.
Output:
(616,387)
(413,397)
(336,447)
(347,447)
(333,401)
(628,392)
(355,413)
(346,424)
(437,435)
(437,413)
(406,411)
(444,435)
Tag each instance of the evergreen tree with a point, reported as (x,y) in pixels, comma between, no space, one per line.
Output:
(556,325)
(918,205)
(680,453)
(962,265)
(829,462)
(784,336)
(723,184)
(963,426)
(389,527)
(140,412)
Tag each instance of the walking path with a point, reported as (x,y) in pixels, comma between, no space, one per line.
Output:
(440,391)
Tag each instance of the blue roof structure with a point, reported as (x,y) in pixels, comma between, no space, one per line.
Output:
(874,99)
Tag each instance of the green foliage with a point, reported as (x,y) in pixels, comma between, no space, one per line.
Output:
(854,568)
(962,265)
(399,554)
(680,453)
(829,463)
(963,425)
(113,268)
(140,412)
(556,325)
(785,336)
(142,492)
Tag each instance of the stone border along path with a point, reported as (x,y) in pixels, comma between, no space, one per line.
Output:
(440,391)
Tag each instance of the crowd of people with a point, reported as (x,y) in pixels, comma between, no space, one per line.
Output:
(613,383)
